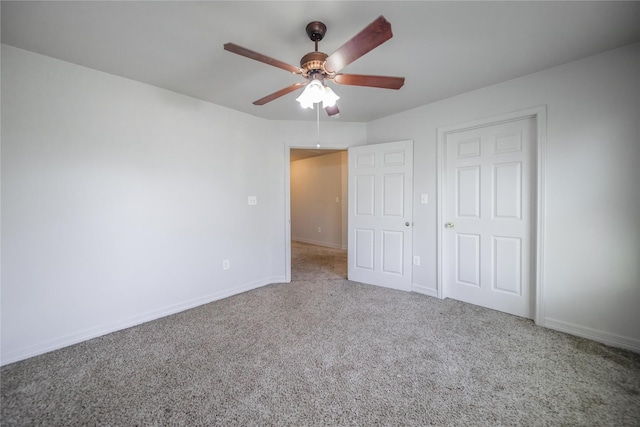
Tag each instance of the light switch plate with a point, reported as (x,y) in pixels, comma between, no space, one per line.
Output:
(424,199)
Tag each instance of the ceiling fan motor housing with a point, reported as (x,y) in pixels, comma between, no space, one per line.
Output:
(313,61)
(316,30)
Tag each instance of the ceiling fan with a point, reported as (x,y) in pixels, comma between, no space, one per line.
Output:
(316,67)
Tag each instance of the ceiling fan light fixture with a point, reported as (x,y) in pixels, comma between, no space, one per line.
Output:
(330,97)
(315,92)
(312,94)
(305,104)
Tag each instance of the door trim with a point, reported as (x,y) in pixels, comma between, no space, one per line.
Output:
(287,200)
(287,213)
(539,114)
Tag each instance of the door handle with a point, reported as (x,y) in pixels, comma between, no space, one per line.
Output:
(448,225)
(407,223)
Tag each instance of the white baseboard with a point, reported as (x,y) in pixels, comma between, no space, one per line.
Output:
(426,291)
(318,243)
(87,334)
(607,338)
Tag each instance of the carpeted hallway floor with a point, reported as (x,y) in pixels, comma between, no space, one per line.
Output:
(325,351)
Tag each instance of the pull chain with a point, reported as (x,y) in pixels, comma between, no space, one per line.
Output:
(318,122)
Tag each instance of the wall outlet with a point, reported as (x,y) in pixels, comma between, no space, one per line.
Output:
(226,264)
(253,200)
(416,260)
(319,230)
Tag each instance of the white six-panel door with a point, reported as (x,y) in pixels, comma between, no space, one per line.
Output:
(380,214)
(487,240)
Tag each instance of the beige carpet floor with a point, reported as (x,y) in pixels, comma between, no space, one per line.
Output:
(325,351)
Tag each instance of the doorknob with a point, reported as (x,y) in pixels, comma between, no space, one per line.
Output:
(449,225)
(407,223)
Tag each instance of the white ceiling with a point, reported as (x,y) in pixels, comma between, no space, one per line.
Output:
(442,48)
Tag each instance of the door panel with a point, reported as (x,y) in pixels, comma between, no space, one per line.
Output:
(507,265)
(380,207)
(468,192)
(507,190)
(488,208)
(468,256)
(393,195)
(364,249)
(392,251)
(364,192)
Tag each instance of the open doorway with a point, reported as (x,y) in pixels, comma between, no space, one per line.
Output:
(318,190)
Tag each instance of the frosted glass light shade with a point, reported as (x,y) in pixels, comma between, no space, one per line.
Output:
(315,92)
(330,97)
(312,94)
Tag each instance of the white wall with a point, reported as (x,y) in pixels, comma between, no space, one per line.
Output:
(316,184)
(333,135)
(592,236)
(120,200)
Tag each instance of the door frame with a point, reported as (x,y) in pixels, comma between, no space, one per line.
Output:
(287,200)
(539,114)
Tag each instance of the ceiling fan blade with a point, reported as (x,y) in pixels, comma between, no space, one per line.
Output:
(372,36)
(332,111)
(385,82)
(234,48)
(278,94)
